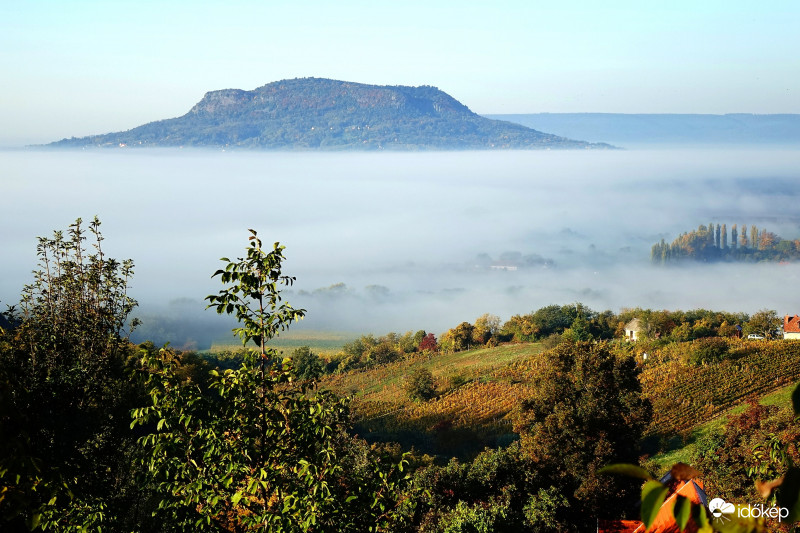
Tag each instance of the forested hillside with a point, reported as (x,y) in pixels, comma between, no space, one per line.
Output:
(322,114)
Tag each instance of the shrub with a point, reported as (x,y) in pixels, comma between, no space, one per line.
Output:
(710,350)
(420,385)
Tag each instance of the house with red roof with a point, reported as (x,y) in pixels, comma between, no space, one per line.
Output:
(791,327)
(665,521)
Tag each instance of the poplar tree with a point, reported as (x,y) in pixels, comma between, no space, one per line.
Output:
(716,241)
(744,236)
(754,237)
(734,238)
(724,237)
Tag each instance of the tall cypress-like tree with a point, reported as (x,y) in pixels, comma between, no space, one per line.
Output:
(754,237)
(711,234)
(734,238)
(744,236)
(724,237)
(716,240)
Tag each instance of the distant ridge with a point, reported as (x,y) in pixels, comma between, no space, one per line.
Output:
(629,130)
(323,114)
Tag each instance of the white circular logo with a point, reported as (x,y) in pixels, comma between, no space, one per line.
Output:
(718,507)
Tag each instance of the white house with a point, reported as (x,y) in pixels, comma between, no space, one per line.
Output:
(633,330)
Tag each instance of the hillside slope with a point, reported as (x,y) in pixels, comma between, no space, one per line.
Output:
(323,114)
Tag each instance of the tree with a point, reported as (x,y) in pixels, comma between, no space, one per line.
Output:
(420,385)
(587,411)
(743,238)
(734,238)
(306,365)
(428,344)
(754,237)
(765,322)
(65,392)
(258,451)
(486,327)
(724,237)
(253,295)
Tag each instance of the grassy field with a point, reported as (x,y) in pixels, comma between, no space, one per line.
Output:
(323,343)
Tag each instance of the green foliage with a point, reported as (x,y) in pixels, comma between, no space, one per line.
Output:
(306,365)
(253,296)
(420,385)
(586,411)
(764,322)
(711,350)
(65,393)
(257,450)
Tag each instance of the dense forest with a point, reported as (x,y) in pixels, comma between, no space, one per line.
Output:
(99,434)
(710,243)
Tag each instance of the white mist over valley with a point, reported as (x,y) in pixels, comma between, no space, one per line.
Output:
(399,241)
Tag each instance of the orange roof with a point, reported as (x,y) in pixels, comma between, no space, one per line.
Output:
(664,522)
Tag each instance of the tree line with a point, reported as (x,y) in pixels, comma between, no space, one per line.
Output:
(710,243)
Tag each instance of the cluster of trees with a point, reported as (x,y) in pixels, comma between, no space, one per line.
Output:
(369,350)
(681,326)
(710,243)
(575,322)
(99,434)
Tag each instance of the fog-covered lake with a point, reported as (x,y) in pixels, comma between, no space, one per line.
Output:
(411,236)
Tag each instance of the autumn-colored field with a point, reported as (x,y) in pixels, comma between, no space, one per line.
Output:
(478,390)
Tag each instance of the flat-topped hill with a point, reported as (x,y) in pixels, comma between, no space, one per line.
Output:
(323,114)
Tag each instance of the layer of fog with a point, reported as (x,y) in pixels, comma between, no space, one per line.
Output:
(391,241)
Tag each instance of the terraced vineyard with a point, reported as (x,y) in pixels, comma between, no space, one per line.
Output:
(480,408)
(684,396)
(491,382)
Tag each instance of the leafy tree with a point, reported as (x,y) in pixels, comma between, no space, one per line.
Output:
(743,238)
(428,344)
(420,385)
(258,451)
(734,238)
(486,326)
(306,365)
(765,322)
(459,338)
(754,237)
(65,393)
(587,411)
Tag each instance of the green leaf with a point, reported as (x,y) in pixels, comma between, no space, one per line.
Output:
(236,497)
(653,495)
(626,469)
(682,511)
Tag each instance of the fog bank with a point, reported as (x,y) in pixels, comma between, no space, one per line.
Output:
(392,241)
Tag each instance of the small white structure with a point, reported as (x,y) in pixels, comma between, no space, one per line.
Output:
(633,330)
(791,327)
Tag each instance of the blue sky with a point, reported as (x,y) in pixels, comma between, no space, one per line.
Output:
(84,67)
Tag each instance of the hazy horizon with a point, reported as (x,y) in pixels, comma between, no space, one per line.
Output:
(409,234)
